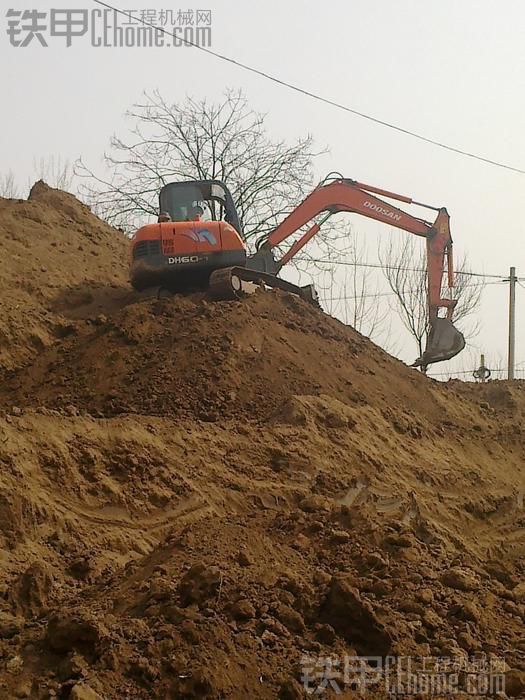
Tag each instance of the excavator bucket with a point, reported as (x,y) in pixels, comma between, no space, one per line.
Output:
(444,342)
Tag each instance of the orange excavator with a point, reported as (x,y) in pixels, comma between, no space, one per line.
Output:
(198,243)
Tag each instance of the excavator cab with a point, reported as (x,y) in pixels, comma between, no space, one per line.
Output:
(181,200)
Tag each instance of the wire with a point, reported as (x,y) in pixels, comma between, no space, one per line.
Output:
(388,294)
(364,296)
(444,374)
(449,374)
(325,100)
(393,267)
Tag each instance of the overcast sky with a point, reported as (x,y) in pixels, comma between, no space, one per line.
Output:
(454,71)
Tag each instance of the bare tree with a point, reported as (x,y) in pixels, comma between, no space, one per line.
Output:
(55,172)
(355,295)
(404,266)
(8,186)
(198,139)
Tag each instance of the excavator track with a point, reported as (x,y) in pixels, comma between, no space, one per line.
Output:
(238,282)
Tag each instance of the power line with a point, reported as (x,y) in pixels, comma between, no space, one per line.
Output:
(468,371)
(365,296)
(393,267)
(445,374)
(388,294)
(325,100)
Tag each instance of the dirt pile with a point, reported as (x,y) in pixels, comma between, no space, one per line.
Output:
(200,500)
(190,357)
(36,238)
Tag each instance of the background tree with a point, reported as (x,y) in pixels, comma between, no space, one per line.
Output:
(404,266)
(354,295)
(55,172)
(198,139)
(8,186)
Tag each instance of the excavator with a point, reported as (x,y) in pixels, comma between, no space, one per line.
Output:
(197,243)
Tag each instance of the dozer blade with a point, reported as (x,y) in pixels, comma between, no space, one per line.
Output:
(238,282)
(444,342)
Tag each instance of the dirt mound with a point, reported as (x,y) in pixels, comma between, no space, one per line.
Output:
(190,357)
(202,500)
(36,237)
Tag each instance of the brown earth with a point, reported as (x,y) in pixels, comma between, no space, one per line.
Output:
(196,496)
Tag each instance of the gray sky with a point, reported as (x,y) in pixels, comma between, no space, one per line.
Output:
(454,71)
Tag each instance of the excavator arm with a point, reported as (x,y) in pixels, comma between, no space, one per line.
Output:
(343,195)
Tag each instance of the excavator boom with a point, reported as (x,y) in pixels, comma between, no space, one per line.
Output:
(344,195)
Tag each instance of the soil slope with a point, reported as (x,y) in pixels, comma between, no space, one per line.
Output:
(196,496)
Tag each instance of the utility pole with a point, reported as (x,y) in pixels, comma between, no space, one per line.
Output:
(512,322)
